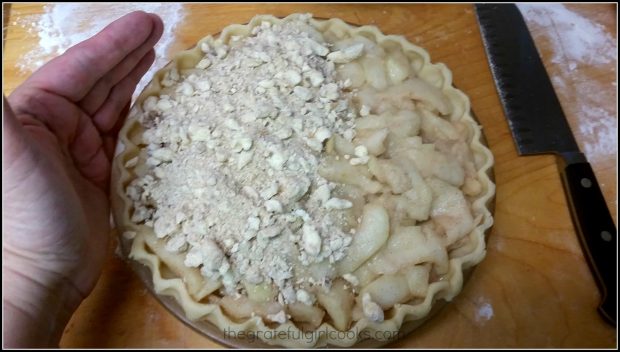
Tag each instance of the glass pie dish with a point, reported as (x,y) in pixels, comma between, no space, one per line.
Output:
(419,178)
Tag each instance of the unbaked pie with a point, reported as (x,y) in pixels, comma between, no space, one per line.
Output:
(304,175)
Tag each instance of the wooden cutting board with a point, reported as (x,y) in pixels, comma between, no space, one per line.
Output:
(533,289)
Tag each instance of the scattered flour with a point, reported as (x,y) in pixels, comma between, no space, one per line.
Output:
(63,25)
(577,39)
(484,311)
(577,42)
(598,122)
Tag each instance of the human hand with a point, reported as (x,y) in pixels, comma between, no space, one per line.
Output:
(60,133)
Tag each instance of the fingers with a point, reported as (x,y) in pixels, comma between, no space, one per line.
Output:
(74,73)
(108,115)
(99,93)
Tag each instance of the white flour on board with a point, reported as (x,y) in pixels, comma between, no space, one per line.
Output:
(581,40)
(484,311)
(61,26)
(577,42)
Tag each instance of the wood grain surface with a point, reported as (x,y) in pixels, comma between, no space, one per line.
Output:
(534,288)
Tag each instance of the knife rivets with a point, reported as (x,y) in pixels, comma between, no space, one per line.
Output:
(606,236)
(586,183)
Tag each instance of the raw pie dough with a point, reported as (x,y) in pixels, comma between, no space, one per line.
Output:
(303,174)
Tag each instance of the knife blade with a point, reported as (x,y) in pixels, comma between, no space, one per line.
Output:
(538,125)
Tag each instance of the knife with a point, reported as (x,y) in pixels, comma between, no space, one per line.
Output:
(539,126)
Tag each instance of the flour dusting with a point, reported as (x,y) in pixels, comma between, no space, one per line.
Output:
(63,25)
(484,311)
(577,43)
(597,121)
(581,40)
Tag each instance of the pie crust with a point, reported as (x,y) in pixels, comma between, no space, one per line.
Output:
(469,252)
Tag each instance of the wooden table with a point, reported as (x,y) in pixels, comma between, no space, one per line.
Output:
(534,289)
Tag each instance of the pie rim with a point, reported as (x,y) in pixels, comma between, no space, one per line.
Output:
(402,313)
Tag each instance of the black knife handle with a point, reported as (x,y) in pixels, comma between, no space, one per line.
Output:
(596,229)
